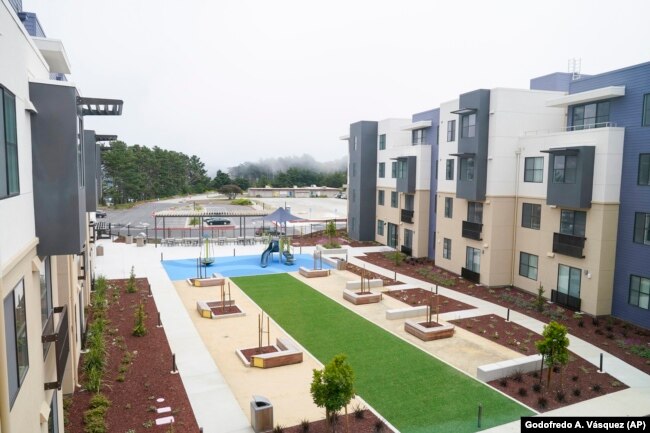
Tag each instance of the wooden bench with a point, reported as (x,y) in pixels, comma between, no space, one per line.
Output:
(205,308)
(288,354)
(312,273)
(429,334)
(215,280)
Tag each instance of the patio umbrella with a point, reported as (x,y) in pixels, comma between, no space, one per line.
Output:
(281,215)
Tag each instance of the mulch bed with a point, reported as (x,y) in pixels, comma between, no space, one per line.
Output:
(626,341)
(575,382)
(147,377)
(369,274)
(249,353)
(418,296)
(365,422)
(320,238)
(218,310)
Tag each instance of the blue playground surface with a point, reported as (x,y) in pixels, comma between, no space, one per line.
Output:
(238,266)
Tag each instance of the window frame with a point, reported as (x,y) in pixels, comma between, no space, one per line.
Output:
(381,197)
(534,174)
(569,289)
(381,170)
(475,212)
(449,207)
(643,179)
(446,248)
(393,170)
(600,118)
(16,334)
(468,125)
(380,227)
(564,174)
(641,233)
(466,169)
(565,224)
(645,119)
(382,141)
(639,292)
(534,215)
(10,181)
(394,199)
(449,169)
(525,266)
(451,130)
(418,136)
(473,265)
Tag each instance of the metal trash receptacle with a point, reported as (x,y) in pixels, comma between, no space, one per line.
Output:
(341,265)
(128,239)
(99,251)
(139,241)
(261,414)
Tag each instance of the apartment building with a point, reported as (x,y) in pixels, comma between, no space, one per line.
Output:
(49,173)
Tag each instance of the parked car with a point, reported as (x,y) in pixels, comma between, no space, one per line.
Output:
(217,221)
(100,213)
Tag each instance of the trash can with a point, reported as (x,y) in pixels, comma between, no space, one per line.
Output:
(99,251)
(340,264)
(139,241)
(128,239)
(261,414)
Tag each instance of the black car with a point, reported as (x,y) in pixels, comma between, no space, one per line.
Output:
(100,214)
(217,221)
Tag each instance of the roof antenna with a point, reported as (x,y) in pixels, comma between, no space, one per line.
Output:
(574,68)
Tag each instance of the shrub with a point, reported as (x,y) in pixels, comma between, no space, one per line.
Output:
(577,392)
(94,420)
(539,300)
(537,388)
(522,392)
(542,402)
(581,323)
(139,330)
(99,400)
(130,285)
(241,202)
(560,396)
(596,387)
(518,376)
(503,382)
(304,426)
(574,378)
(379,426)
(358,411)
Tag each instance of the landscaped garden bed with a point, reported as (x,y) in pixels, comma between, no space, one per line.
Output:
(133,386)
(628,342)
(579,380)
(417,296)
(359,420)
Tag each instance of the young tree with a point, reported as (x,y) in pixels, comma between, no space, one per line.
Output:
(554,346)
(333,387)
(330,230)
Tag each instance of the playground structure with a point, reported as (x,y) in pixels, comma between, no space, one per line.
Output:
(282,246)
(206,254)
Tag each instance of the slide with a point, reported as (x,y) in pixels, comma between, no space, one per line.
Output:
(288,258)
(274,247)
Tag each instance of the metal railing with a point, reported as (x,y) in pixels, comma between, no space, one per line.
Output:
(572,128)
(568,245)
(472,230)
(61,343)
(406,216)
(566,300)
(470,275)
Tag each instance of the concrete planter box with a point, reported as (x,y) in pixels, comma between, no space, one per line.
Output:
(406,313)
(507,368)
(428,334)
(357,299)
(356,284)
(330,251)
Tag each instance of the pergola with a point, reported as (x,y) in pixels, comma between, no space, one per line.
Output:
(201,215)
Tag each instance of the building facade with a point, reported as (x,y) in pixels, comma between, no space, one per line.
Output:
(46,259)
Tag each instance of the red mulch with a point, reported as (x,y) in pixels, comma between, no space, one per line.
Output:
(431,324)
(222,311)
(369,274)
(133,401)
(248,353)
(610,334)
(319,238)
(418,296)
(578,374)
(366,423)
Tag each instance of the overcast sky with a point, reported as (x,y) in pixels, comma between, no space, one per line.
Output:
(236,80)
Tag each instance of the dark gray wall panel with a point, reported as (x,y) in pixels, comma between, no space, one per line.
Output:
(363,180)
(478,100)
(92,176)
(573,195)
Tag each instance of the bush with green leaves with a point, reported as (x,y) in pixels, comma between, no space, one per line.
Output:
(333,387)
(554,346)
(242,202)
(130,285)
(140,330)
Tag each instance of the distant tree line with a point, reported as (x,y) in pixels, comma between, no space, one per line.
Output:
(139,173)
(294,176)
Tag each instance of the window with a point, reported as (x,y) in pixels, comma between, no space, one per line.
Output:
(468,125)
(646,109)
(534,169)
(382,142)
(46,290)
(564,168)
(418,136)
(475,212)
(53,420)
(437,137)
(642,228)
(9,179)
(16,339)
(644,169)
(393,169)
(449,207)
(449,169)
(528,265)
(408,239)
(380,197)
(590,115)
(81,167)
(446,248)
(409,202)
(573,222)
(354,169)
(393,199)
(382,169)
(380,227)
(473,260)
(639,292)
(568,280)
(451,130)
(401,168)
(467,169)
(531,215)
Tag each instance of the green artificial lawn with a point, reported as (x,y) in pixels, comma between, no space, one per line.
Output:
(414,391)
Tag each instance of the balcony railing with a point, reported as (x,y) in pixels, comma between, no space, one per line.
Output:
(568,245)
(472,230)
(407,216)
(572,128)
(407,250)
(470,275)
(571,302)
(61,343)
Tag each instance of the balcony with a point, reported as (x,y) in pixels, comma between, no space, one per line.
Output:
(407,250)
(407,216)
(61,343)
(470,275)
(571,302)
(472,230)
(568,245)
